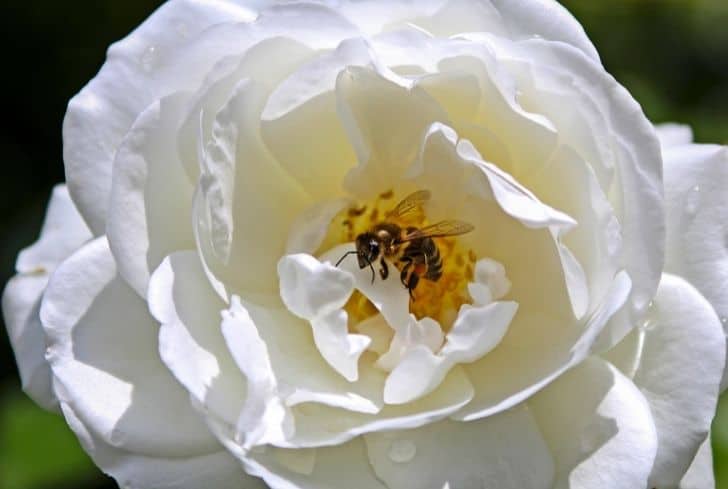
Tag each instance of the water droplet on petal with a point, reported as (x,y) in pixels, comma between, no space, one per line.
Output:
(149,58)
(692,201)
(724,320)
(402,451)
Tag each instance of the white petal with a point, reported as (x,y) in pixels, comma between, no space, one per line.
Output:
(141,68)
(700,474)
(190,341)
(681,364)
(320,425)
(388,296)
(671,134)
(598,427)
(264,419)
(537,349)
(445,162)
(633,155)
(545,19)
(296,368)
(477,330)
(244,193)
(308,231)
(384,121)
(151,196)
(217,469)
(310,288)
(696,178)
(319,157)
(335,467)
(102,348)
(317,292)
(341,349)
(505,451)
(63,232)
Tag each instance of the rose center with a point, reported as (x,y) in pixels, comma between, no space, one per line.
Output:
(438,294)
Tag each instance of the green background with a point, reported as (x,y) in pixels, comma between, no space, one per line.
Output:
(672,56)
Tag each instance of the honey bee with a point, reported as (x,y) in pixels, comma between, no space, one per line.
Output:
(412,249)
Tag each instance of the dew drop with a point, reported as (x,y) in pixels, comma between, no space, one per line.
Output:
(402,451)
(692,200)
(724,320)
(149,58)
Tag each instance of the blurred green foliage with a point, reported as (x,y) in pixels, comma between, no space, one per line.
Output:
(37,449)
(671,54)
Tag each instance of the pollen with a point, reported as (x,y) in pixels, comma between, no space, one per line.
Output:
(440,299)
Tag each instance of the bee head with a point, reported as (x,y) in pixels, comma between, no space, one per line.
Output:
(368,249)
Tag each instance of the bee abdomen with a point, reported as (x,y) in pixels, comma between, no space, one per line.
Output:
(434,260)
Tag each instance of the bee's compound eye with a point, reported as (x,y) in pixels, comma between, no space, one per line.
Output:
(374,247)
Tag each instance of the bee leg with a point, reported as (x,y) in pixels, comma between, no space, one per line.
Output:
(403,273)
(384,271)
(412,283)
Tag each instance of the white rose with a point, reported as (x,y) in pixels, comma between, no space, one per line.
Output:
(218,167)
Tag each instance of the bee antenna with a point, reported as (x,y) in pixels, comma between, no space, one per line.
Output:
(342,258)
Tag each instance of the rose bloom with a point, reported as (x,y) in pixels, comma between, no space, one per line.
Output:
(191,309)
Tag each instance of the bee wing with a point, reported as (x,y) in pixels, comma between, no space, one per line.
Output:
(448,227)
(410,208)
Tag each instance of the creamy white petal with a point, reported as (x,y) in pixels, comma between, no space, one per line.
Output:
(218,469)
(696,178)
(700,473)
(320,425)
(344,465)
(476,331)
(191,344)
(102,348)
(537,350)
(384,121)
(504,451)
(671,134)
(317,292)
(141,68)
(636,191)
(295,370)
(244,195)
(264,418)
(63,232)
(680,366)
(308,231)
(151,196)
(598,427)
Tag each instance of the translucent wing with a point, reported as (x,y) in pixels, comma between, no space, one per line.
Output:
(410,208)
(448,227)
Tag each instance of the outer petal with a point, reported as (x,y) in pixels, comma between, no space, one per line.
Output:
(137,471)
(139,69)
(63,231)
(672,134)
(599,428)
(114,390)
(151,196)
(190,342)
(700,474)
(696,178)
(677,365)
(504,451)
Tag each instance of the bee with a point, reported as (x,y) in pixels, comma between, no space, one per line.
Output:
(411,248)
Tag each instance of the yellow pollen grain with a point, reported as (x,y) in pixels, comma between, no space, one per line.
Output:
(440,300)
